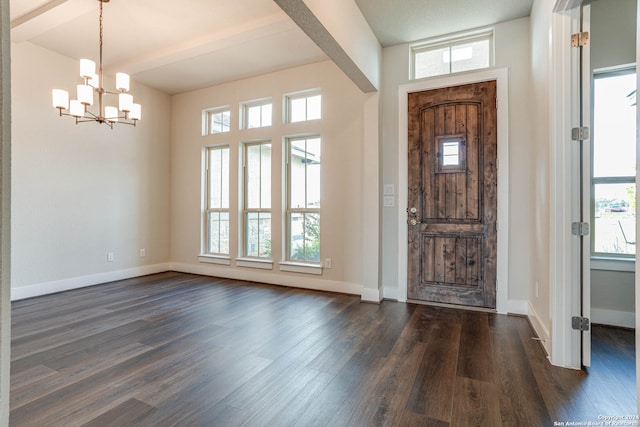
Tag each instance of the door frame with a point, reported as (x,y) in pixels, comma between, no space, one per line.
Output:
(501,76)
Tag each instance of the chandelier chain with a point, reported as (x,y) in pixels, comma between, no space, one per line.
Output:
(100,70)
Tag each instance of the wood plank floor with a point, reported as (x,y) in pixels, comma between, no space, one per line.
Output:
(182,350)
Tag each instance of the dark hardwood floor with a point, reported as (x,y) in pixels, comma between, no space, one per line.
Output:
(182,350)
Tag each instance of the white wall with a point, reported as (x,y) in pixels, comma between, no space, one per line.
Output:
(512,52)
(341,130)
(80,191)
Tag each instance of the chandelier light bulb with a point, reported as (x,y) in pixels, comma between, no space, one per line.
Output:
(136,112)
(94,81)
(76,109)
(122,82)
(85,94)
(60,99)
(111,114)
(125,102)
(87,68)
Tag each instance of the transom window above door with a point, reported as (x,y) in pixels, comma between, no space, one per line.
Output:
(452,55)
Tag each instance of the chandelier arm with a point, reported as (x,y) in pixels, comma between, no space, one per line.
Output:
(92,115)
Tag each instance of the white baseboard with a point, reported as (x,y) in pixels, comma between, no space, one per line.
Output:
(38,289)
(625,319)
(515,306)
(303,281)
(371,295)
(391,293)
(540,329)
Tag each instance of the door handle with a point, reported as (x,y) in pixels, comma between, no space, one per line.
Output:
(414,221)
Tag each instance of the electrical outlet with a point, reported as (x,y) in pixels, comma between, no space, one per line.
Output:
(143,253)
(110,256)
(327,263)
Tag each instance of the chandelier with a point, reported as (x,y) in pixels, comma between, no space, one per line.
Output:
(127,111)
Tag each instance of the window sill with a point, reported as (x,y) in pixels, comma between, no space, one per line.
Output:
(263,264)
(613,264)
(214,259)
(299,267)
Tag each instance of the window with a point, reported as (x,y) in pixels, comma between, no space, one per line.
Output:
(303,199)
(256,114)
(304,106)
(613,173)
(217,201)
(451,153)
(466,53)
(257,202)
(216,120)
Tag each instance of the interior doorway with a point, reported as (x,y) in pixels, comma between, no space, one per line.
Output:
(610,78)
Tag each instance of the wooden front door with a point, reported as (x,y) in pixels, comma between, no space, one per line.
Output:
(452,203)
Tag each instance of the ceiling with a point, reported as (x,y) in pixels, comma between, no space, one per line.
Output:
(395,22)
(181,46)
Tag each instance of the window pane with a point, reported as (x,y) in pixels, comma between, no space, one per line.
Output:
(265,176)
(313,173)
(224,176)
(258,176)
(215,184)
(614,229)
(253,117)
(314,110)
(218,232)
(431,62)
(219,121)
(266,115)
(614,113)
(253,177)
(304,232)
(219,178)
(470,56)
(226,120)
(258,234)
(298,110)
(450,153)
(297,174)
(215,125)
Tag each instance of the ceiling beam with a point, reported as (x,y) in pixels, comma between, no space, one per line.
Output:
(47,16)
(357,54)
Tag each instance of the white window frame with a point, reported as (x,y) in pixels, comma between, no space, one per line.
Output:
(452,42)
(246,210)
(209,170)
(288,98)
(289,210)
(206,120)
(244,113)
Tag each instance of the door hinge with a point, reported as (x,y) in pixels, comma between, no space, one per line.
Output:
(580,323)
(579,39)
(580,228)
(580,133)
